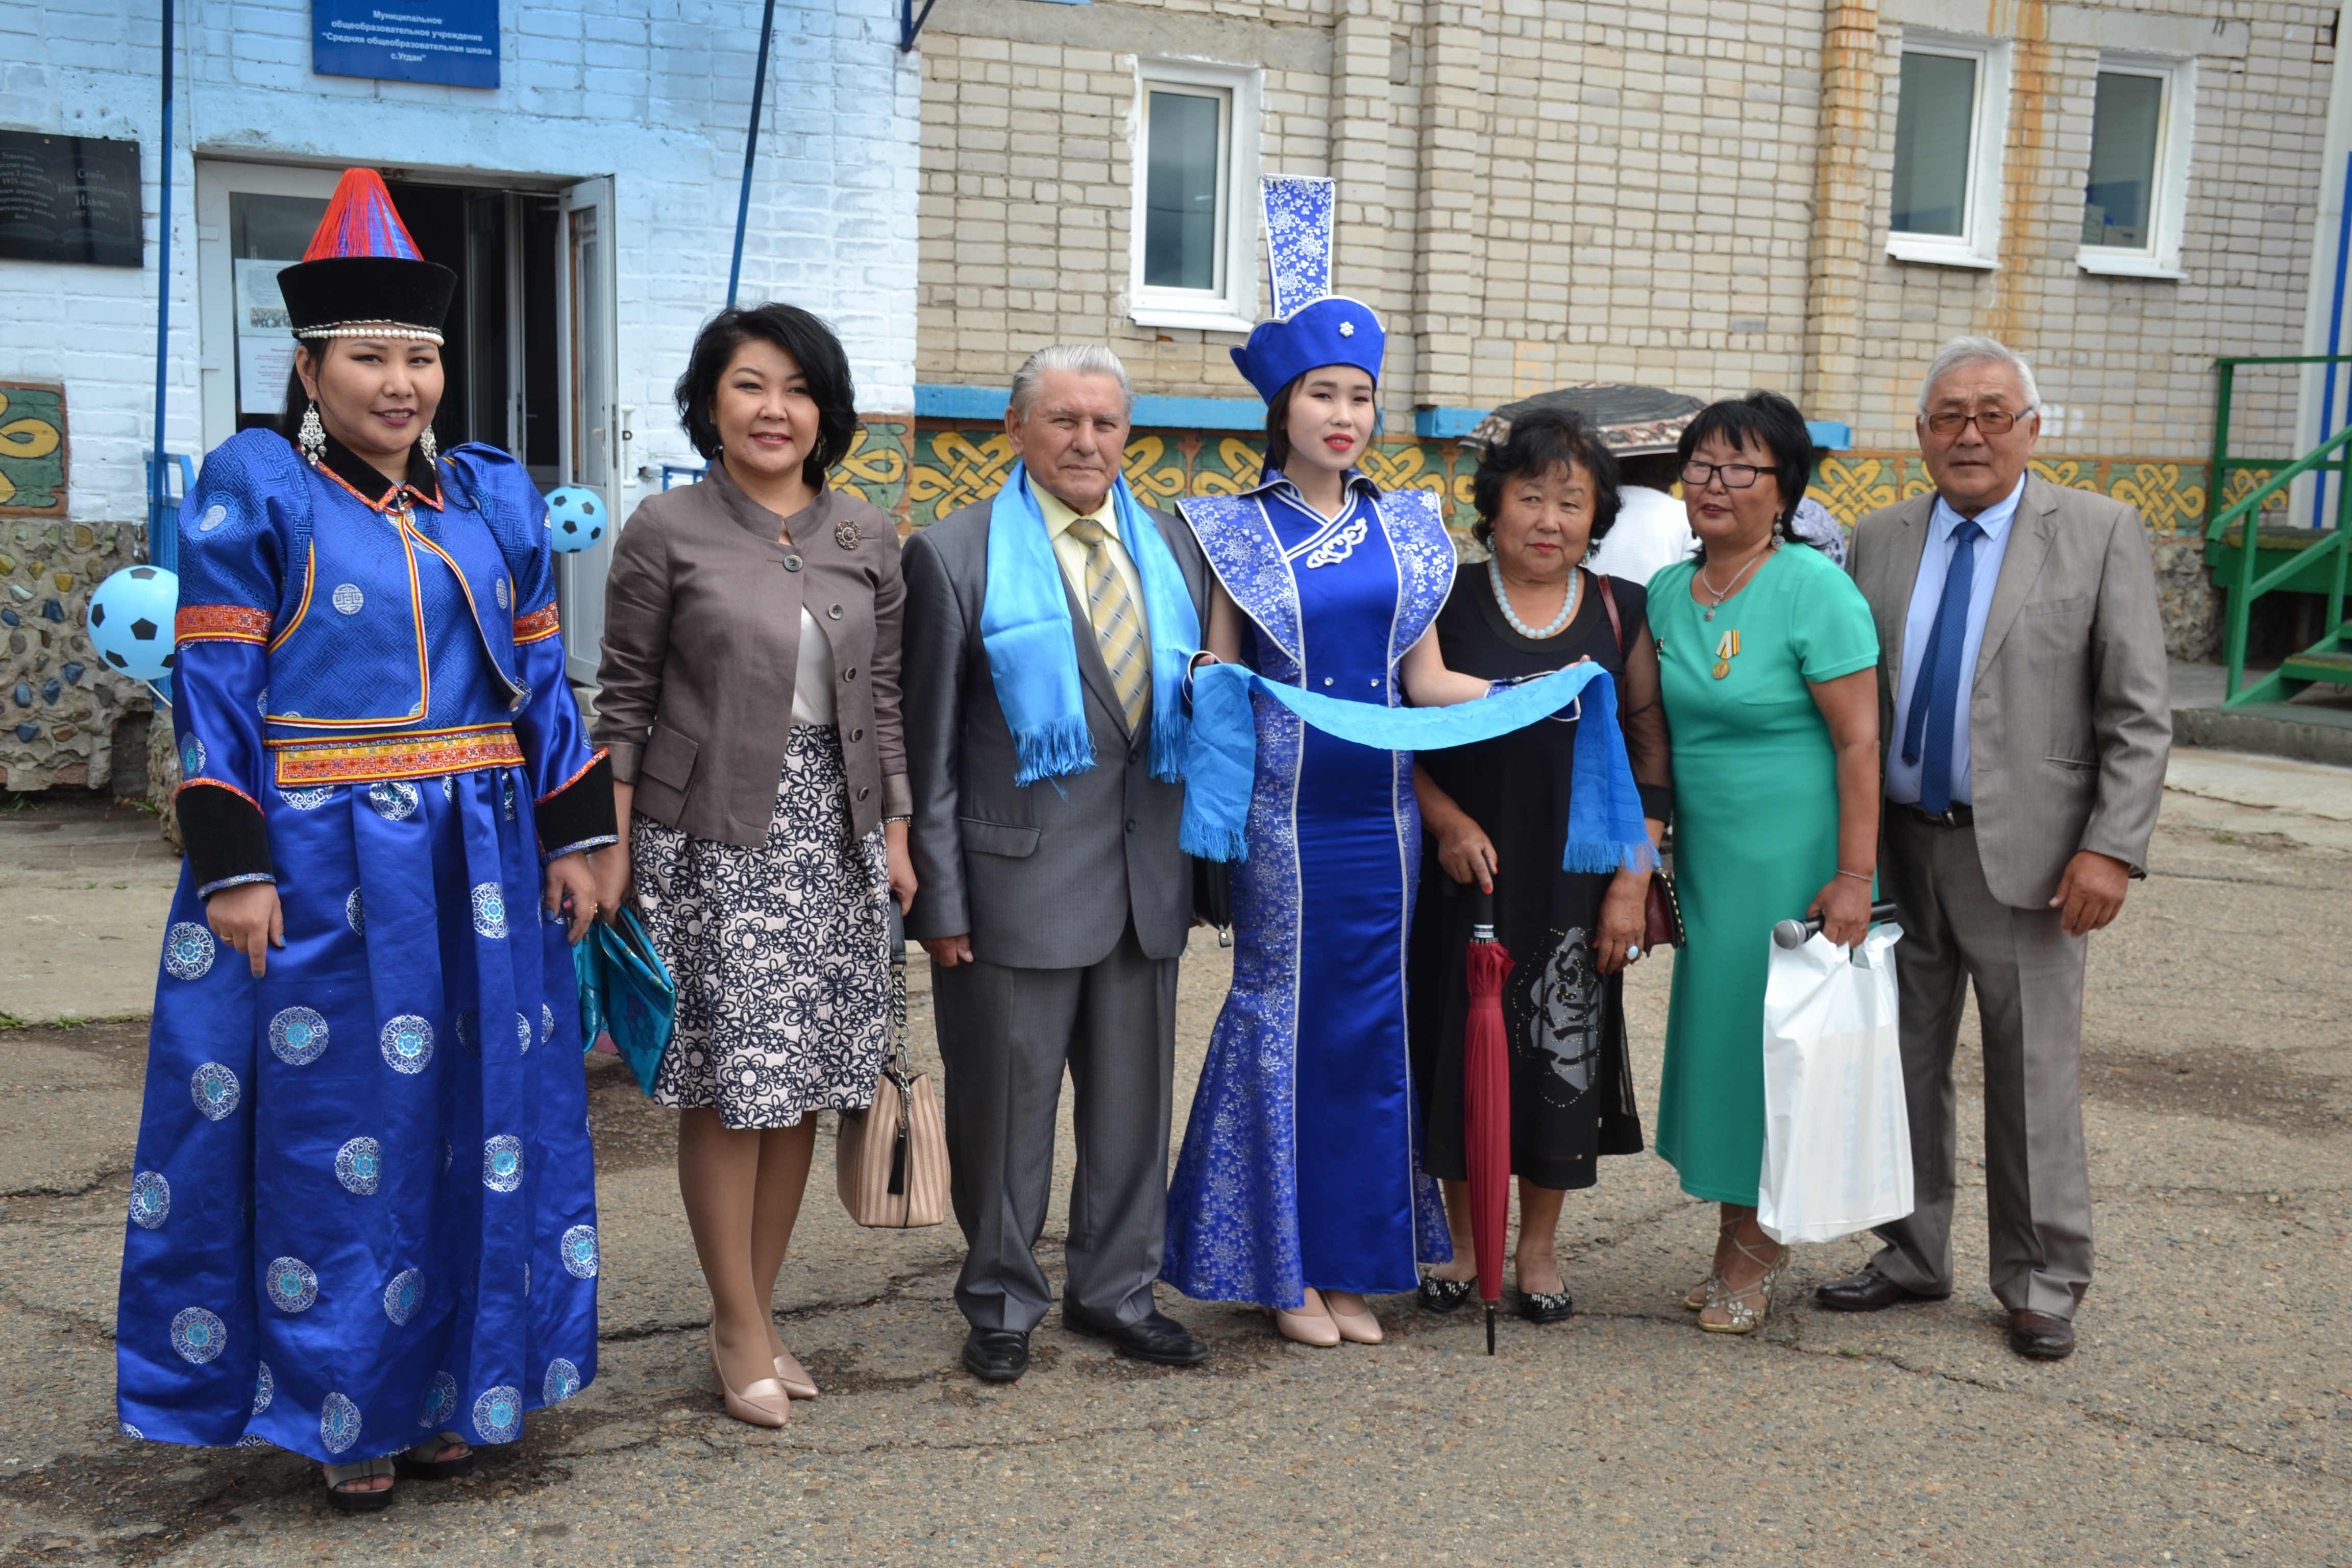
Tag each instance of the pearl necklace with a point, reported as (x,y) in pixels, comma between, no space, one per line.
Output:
(1567,604)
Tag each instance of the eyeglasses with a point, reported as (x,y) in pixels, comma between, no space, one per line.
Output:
(1991,422)
(1735,476)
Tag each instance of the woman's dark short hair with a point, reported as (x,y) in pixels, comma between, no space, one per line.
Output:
(813,347)
(1540,440)
(1763,419)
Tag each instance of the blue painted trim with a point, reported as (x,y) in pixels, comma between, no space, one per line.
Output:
(1831,435)
(936,401)
(1446,424)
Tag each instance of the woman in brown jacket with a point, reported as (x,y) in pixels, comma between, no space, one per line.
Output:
(750,705)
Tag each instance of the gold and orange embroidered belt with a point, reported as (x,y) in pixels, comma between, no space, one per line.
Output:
(407,756)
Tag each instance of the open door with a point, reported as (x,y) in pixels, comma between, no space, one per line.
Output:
(590,435)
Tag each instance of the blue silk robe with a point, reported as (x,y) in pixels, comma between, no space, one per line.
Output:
(363,1208)
(1301,1166)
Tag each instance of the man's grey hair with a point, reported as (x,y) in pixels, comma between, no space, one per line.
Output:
(1961,353)
(1084,358)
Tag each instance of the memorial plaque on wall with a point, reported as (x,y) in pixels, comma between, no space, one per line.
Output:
(70,198)
(454,42)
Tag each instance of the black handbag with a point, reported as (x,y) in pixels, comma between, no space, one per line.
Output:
(1212,896)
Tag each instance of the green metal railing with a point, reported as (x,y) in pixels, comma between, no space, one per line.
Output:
(2306,551)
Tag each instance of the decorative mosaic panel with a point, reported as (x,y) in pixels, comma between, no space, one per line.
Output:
(33,451)
(922,470)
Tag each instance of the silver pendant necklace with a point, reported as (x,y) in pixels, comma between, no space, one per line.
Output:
(1709,582)
(1567,604)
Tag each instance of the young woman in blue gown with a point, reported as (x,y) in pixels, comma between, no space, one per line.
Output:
(363,1218)
(1299,1186)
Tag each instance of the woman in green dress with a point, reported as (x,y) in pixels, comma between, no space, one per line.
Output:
(1768,659)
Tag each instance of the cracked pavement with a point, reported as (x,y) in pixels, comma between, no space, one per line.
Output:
(2206,1417)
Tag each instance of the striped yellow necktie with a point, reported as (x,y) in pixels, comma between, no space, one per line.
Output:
(1119,624)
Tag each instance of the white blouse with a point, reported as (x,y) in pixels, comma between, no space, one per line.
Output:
(812,676)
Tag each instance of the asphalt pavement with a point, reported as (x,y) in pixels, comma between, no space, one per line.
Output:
(2205,1416)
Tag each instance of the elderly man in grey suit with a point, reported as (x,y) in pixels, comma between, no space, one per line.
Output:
(1055,912)
(2027,711)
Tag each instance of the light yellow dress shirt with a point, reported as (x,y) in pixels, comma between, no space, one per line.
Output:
(1072,553)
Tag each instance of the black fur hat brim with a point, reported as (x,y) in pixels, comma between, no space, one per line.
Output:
(339,291)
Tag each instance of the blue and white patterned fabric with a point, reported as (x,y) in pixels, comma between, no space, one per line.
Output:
(1312,327)
(1301,1162)
(303,1264)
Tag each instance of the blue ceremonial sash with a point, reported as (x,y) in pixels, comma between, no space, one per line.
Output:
(1604,809)
(1032,655)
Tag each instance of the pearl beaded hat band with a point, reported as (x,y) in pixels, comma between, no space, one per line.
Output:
(362,276)
(388,329)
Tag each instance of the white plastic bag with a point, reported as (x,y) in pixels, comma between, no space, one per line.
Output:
(1837,1134)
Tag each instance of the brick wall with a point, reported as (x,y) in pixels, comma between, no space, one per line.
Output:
(1534,193)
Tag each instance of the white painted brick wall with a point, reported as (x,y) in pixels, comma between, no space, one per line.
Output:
(657,94)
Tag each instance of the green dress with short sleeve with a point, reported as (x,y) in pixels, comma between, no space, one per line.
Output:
(1756,823)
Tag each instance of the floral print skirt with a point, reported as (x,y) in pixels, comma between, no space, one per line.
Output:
(780,954)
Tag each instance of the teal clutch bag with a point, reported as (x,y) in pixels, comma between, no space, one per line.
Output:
(625,991)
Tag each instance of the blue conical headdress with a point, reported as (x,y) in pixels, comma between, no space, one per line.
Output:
(1312,327)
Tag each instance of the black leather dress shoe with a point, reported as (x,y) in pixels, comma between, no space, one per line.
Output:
(1156,1337)
(1868,1291)
(2040,1336)
(996,1355)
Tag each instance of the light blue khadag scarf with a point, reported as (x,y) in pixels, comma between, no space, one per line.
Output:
(1604,808)
(1025,627)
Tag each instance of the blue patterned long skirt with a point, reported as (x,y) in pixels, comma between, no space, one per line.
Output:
(364,1208)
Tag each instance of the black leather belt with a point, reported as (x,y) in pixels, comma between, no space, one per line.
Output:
(1962,815)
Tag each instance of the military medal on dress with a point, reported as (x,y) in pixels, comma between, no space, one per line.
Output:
(1727,649)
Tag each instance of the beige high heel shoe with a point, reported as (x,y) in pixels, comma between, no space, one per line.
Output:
(794,1376)
(1696,1299)
(1745,1308)
(1357,1328)
(764,1403)
(1314,1328)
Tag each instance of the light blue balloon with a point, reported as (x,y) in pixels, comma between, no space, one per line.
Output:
(575,518)
(131,621)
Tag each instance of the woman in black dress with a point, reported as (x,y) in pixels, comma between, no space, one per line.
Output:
(1495,814)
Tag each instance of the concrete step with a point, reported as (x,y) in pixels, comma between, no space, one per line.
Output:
(2314,728)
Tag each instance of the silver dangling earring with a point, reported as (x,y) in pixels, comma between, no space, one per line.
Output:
(428,446)
(313,437)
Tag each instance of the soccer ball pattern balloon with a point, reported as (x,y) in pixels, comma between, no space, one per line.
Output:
(131,621)
(575,518)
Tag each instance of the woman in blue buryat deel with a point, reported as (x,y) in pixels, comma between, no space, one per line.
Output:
(362,1222)
(1299,1186)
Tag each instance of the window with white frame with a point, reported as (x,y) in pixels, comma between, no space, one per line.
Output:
(1192,242)
(1952,110)
(2137,185)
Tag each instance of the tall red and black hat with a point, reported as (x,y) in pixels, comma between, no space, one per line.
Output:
(363,274)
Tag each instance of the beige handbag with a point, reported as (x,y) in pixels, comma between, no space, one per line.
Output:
(891,1160)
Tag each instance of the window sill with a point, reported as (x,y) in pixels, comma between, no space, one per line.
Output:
(1193,318)
(2110,264)
(1932,252)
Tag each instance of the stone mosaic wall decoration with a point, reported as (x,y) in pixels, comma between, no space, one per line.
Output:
(34,451)
(60,705)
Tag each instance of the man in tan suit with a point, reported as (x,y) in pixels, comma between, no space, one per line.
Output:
(2027,710)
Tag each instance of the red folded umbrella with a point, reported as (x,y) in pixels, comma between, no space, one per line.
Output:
(1487,1104)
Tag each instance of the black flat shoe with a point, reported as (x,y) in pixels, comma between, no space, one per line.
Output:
(1445,1295)
(1156,1337)
(1546,1306)
(996,1355)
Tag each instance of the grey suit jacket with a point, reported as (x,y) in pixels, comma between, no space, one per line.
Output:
(2069,711)
(1045,877)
